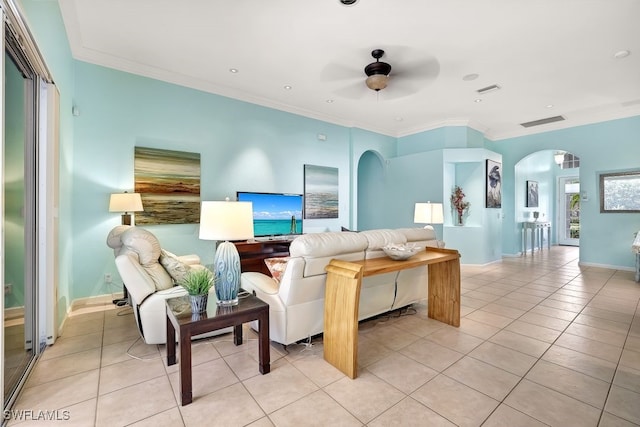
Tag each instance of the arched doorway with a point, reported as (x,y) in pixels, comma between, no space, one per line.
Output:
(555,176)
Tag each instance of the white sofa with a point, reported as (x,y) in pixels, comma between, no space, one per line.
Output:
(296,302)
(150,275)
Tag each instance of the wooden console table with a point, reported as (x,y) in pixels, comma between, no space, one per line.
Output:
(342,298)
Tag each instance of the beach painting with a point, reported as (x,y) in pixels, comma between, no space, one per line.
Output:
(169,184)
(320,192)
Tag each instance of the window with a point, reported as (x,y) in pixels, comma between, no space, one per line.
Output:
(620,192)
(570,161)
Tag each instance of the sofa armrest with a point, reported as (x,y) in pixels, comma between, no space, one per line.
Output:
(191,259)
(251,281)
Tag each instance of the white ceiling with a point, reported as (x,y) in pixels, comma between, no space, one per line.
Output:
(540,52)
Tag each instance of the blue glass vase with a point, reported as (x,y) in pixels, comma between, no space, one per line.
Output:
(227,273)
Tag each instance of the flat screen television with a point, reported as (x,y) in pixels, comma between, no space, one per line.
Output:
(274,214)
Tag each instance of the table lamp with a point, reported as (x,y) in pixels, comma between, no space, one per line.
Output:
(125,203)
(428,213)
(225,221)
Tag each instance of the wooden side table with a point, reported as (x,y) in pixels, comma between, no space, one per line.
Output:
(180,320)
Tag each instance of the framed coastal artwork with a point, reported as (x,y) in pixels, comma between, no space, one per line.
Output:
(532,194)
(494,184)
(169,185)
(320,192)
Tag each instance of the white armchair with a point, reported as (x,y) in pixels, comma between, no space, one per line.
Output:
(145,271)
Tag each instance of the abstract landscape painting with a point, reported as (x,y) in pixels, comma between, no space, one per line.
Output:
(169,184)
(320,192)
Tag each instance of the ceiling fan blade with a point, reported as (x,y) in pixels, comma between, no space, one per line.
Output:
(337,72)
(425,70)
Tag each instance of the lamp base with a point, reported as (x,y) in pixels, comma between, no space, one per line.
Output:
(226,266)
(126,219)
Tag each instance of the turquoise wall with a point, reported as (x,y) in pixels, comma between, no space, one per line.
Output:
(242,146)
(605,239)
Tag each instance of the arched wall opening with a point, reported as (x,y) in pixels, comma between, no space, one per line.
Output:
(370,178)
(540,194)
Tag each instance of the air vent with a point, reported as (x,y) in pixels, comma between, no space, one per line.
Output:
(543,121)
(488,89)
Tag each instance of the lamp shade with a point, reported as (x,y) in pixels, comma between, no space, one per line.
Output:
(558,158)
(428,213)
(125,202)
(226,220)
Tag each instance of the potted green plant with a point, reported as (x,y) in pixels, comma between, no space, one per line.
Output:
(197,283)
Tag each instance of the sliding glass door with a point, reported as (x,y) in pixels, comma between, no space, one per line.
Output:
(20,335)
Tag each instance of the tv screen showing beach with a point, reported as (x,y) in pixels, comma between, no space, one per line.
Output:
(274,213)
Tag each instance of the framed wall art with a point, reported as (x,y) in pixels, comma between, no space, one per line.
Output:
(532,194)
(320,192)
(169,184)
(494,184)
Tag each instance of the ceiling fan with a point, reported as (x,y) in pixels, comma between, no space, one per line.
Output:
(377,72)
(408,76)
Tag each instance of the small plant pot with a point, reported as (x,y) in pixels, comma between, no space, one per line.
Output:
(198,303)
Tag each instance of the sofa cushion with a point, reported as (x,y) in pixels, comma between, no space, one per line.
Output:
(377,239)
(277,266)
(174,266)
(418,234)
(327,244)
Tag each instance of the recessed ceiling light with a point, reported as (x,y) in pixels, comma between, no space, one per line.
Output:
(621,54)
(287,87)
(329,101)
(470,77)
(549,105)
(233,70)
(477,100)
(399,119)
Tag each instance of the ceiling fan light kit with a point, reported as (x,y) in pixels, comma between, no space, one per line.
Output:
(377,72)
(377,82)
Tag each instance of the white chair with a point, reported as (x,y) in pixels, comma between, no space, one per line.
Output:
(145,271)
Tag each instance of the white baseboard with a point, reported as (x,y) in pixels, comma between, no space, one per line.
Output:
(606,266)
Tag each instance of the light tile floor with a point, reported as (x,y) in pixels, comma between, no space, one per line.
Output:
(542,341)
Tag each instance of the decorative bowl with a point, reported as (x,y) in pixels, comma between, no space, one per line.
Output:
(400,252)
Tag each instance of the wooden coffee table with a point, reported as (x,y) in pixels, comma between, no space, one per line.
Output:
(181,321)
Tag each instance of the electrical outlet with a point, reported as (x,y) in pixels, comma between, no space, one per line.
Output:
(108,278)
(8,288)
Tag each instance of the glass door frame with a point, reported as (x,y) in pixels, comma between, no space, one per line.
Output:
(563,230)
(27,59)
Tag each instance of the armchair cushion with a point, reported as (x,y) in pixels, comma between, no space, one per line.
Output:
(176,268)
(146,248)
